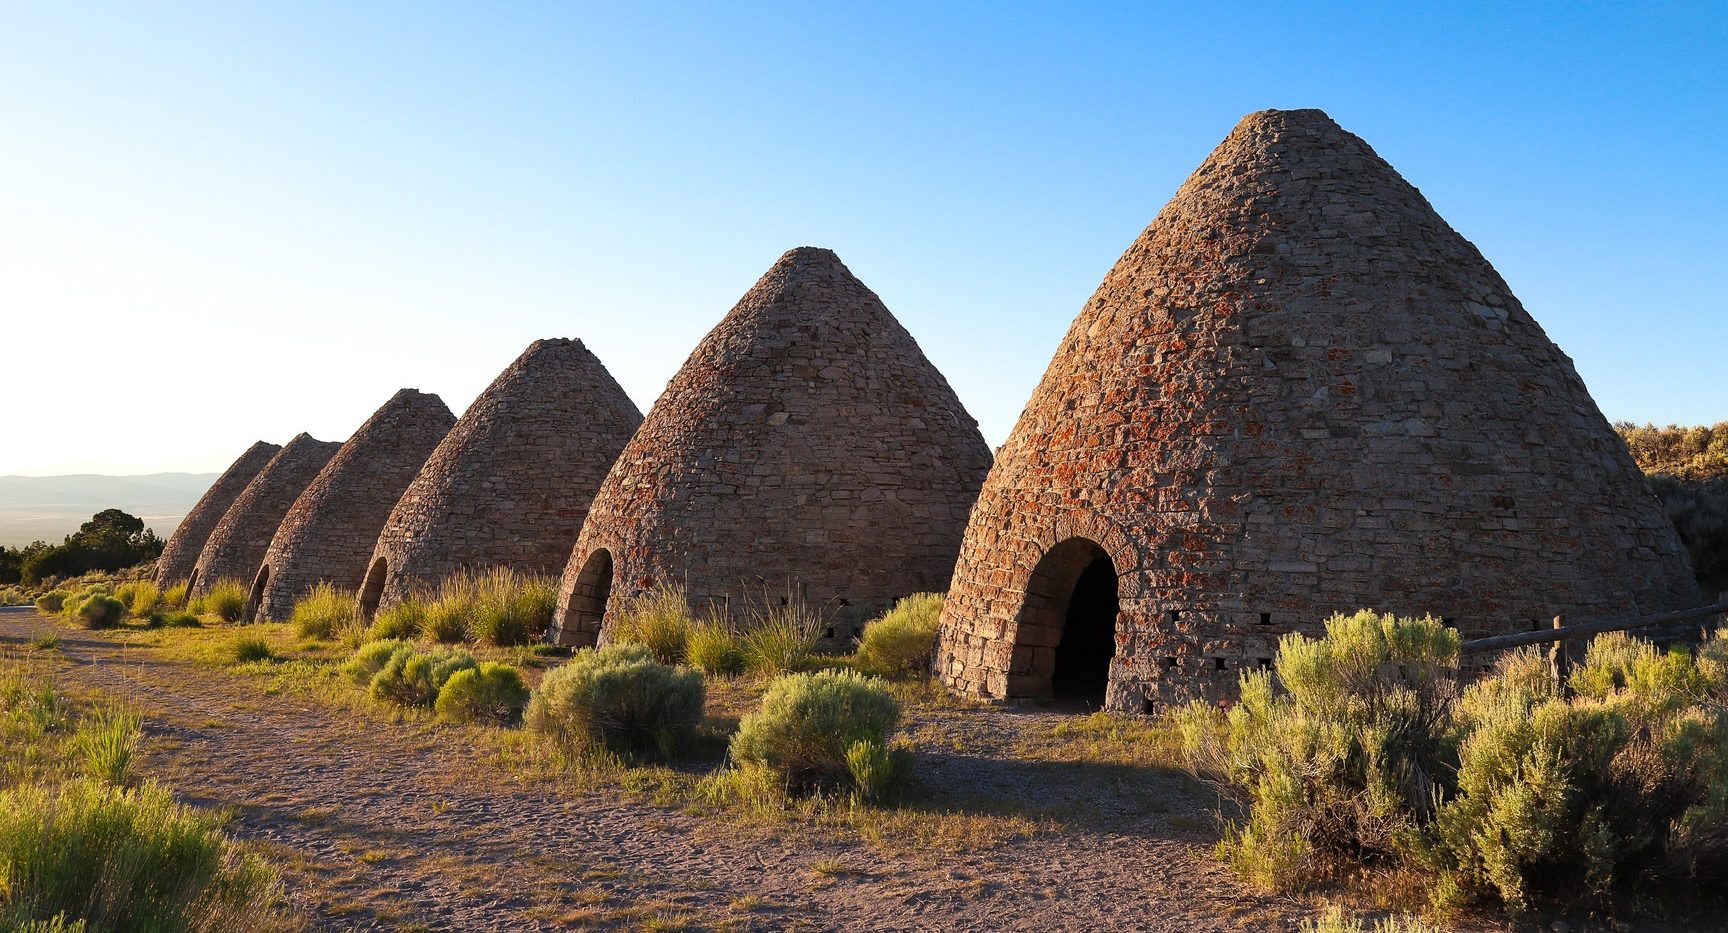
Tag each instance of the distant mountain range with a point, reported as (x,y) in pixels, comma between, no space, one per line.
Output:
(48,508)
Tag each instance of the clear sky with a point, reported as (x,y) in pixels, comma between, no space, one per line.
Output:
(230,221)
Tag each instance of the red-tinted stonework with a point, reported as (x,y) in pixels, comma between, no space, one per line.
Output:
(511,482)
(329,532)
(807,449)
(1298,392)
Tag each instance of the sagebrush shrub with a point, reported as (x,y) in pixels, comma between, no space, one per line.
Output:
(413,677)
(98,611)
(659,620)
(370,658)
(903,640)
(123,860)
(51,601)
(324,611)
(492,692)
(1343,759)
(821,730)
(619,696)
(140,597)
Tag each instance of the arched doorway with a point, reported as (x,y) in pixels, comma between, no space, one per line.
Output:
(587,608)
(1067,633)
(191,586)
(257,595)
(373,589)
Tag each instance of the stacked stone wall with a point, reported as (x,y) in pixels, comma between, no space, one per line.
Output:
(806,451)
(180,555)
(236,546)
(510,483)
(331,529)
(1300,392)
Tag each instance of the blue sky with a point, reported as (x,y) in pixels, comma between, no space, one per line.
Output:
(226,222)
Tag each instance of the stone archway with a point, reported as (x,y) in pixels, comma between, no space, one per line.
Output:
(1066,637)
(372,590)
(586,610)
(191,586)
(257,595)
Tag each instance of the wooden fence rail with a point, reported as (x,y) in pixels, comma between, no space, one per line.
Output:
(1563,632)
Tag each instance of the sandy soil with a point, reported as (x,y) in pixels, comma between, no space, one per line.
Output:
(382,825)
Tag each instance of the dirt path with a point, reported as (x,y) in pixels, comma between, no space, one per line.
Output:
(383,826)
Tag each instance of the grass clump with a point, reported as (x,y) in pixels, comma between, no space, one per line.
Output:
(324,611)
(621,697)
(140,597)
(105,744)
(1334,920)
(226,600)
(714,648)
(825,730)
(413,677)
(492,692)
(512,608)
(903,640)
(87,851)
(174,597)
(781,638)
(405,619)
(658,620)
(51,601)
(98,611)
(245,649)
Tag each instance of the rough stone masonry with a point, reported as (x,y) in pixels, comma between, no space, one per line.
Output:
(237,545)
(181,553)
(1298,392)
(807,451)
(330,530)
(511,482)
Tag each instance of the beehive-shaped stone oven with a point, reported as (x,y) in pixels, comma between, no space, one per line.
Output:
(1298,392)
(181,553)
(236,546)
(331,529)
(511,482)
(806,449)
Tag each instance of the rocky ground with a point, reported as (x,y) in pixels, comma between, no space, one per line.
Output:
(407,825)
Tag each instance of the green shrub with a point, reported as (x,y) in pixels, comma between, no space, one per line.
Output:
(98,611)
(714,648)
(226,600)
(51,601)
(413,677)
(105,744)
(1626,780)
(492,692)
(821,730)
(404,619)
(1342,761)
(140,597)
(659,620)
(903,640)
(13,596)
(619,696)
(370,659)
(1333,920)
(778,639)
(179,619)
(122,860)
(174,597)
(245,649)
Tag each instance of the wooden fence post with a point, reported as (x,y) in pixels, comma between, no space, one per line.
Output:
(1559,660)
